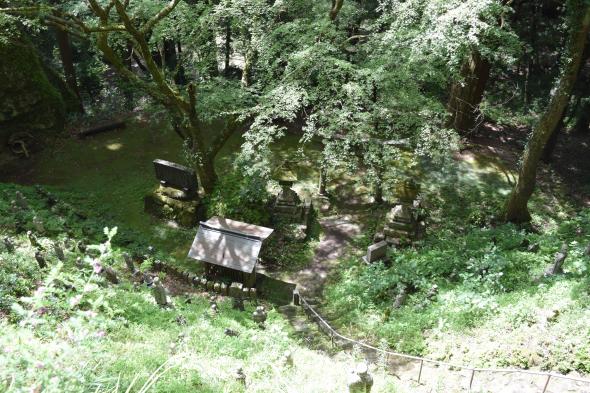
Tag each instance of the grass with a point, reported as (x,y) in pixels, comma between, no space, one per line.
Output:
(67,329)
(491,307)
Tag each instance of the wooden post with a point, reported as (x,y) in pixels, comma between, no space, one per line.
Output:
(546,383)
(420,372)
(471,380)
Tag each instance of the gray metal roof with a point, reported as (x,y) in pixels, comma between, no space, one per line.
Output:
(218,245)
(239,227)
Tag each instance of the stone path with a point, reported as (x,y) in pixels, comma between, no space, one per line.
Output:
(337,233)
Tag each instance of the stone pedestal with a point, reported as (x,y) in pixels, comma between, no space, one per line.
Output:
(175,205)
(290,209)
(403,224)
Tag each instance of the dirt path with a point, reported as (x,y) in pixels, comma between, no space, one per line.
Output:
(337,232)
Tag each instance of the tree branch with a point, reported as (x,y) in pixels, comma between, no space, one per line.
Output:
(159,16)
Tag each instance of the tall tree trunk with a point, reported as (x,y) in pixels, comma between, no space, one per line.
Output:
(516,209)
(466,95)
(170,58)
(335,10)
(248,64)
(67,60)
(227,47)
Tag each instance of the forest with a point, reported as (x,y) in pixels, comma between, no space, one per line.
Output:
(295,196)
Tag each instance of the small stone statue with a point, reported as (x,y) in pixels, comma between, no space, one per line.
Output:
(159,293)
(240,376)
(110,274)
(287,359)
(259,316)
(180,320)
(432,292)
(213,309)
(238,303)
(360,381)
(59,251)
(40,259)
(129,263)
(33,239)
(14,208)
(79,262)
(38,224)
(560,257)
(8,244)
(82,246)
(230,332)
(20,200)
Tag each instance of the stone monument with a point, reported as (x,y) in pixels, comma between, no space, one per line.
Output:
(288,206)
(403,223)
(176,198)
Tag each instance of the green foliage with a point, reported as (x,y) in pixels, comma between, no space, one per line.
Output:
(240,197)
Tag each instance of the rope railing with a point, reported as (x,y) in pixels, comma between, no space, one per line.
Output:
(334,334)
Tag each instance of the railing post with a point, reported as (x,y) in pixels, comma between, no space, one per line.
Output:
(471,380)
(420,372)
(546,383)
(332,338)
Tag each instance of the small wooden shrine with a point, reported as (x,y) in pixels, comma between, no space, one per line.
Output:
(229,249)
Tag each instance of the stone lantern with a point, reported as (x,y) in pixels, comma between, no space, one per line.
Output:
(288,203)
(289,208)
(403,223)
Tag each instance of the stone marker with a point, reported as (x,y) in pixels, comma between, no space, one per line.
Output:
(230,332)
(223,289)
(20,200)
(213,309)
(360,381)
(240,376)
(33,239)
(376,252)
(287,359)
(235,289)
(110,274)
(560,257)
(129,263)
(38,224)
(159,293)
(217,287)
(176,176)
(259,315)
(40,259)
(252,293)
(176,199)
(533,248)
(82,247)
(238,303)
(432,292)
(59,252)
(8,244)
(401,297)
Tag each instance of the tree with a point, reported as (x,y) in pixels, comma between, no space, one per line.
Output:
(516,209)
(466,95)
(467,92)
(103,23)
